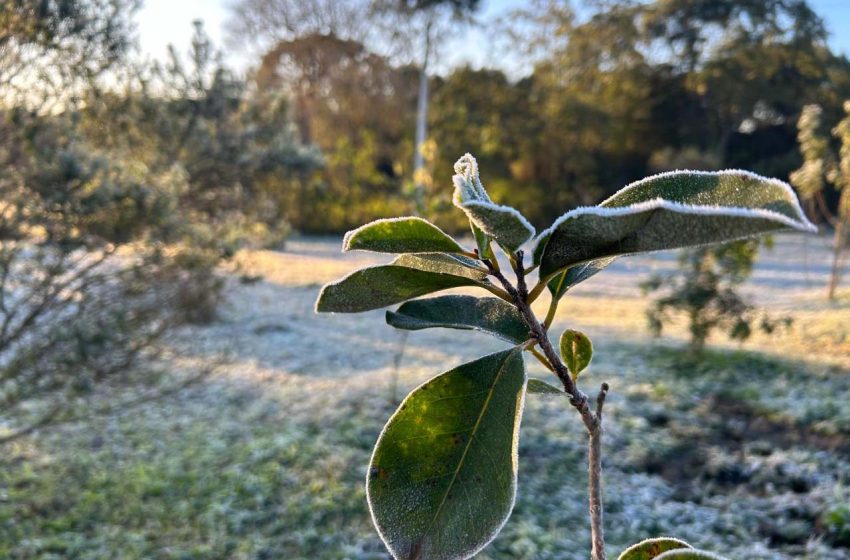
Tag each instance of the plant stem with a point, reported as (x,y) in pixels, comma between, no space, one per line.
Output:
(550,315)
(592,421)
(594,484)
(542,359)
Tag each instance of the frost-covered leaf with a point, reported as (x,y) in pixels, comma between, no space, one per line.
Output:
(565,280)
(443,263)
(408,276)
(652,548)
(540,387)
(400,235)
(442,479)
(503,223)
(577,350)
(668,211)
(490,315)
(686,554)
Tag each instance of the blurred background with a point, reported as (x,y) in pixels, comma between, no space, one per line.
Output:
(175,180)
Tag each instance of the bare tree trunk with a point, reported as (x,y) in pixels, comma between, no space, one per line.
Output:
(421,123)
(837,253)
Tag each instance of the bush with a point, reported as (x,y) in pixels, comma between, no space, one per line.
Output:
(704,290)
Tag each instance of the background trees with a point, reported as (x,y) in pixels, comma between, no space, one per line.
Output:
(604,91)
(822,167)
(123,186)
(180,162)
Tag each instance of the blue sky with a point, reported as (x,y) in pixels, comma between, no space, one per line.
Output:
(170,21)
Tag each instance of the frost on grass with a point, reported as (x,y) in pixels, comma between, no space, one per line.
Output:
(288,423)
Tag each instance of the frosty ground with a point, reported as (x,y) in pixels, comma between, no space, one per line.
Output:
(745,452)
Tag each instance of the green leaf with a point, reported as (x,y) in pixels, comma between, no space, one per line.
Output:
(408,276)
(400,235)
(682,554)
(651,548)
(565,280)
(482,241)
(504,224)
(577,350)
(540,387)
(458,265)
(669,211)
(442,479)
(490,315)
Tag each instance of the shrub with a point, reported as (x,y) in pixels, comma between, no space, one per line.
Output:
(704,289)
(442,478)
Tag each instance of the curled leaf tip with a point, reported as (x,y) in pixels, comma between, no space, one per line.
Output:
(466,165)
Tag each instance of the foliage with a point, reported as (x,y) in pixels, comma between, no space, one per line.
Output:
(113,196)
(592,102)
(442,478)
(366,152)
(79,40)
(821,167)
(705,291)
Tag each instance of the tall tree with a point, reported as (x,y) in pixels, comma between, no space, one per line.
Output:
(419,25)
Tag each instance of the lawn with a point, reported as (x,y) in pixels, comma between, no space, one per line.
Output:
(745,452)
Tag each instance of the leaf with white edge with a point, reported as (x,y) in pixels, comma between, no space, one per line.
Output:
(670,211)
(568,278)
(503,223)
(400,235)
(407,277)
(540,387)
(490,315)
(444,263)
(684,554)
(577,351)
(651,548)
(442,480)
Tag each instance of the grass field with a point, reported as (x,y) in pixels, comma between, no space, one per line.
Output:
(745,452)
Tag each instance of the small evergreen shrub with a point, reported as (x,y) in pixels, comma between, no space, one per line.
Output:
(442,479)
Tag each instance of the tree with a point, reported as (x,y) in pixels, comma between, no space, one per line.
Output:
(115,209)
(70,318)
(77,40)
(330,81)
(267,22)
(442,478)
(419,25)
(821,167)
